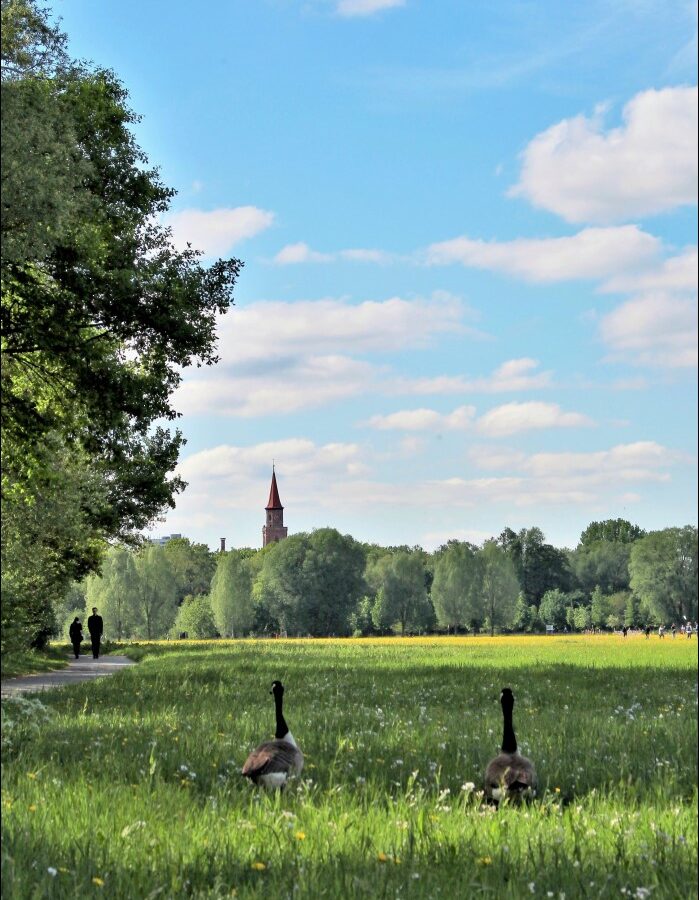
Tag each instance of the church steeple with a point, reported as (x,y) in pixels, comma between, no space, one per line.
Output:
(273,530)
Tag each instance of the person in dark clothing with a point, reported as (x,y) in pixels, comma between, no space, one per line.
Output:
(76,635)
(95,626)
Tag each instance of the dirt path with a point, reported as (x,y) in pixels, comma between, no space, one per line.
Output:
(83,669)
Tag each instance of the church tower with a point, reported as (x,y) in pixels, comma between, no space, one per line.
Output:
(273,530)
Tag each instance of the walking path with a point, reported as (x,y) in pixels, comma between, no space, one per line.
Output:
(83,669)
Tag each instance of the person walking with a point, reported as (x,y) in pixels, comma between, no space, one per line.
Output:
(647,631)
(76,635)
(673,629)
(661,631)
(688,630)
(95,626)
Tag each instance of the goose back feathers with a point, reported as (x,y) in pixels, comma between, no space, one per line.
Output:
(273,762)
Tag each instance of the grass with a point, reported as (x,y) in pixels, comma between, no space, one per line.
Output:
(31,661)
(131,788)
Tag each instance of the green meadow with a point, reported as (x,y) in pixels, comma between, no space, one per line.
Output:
(129,787)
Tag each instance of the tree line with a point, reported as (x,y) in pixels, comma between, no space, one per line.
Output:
(324,583)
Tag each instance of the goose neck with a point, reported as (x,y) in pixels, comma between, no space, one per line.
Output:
(509,741)
(282,729)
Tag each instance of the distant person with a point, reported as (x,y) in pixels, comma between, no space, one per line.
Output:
(625,630)
(647,631)
(688,630)
(95,626)
(76,635)
(661,631)
(673,629)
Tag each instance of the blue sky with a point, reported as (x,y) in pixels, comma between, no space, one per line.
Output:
(469,234)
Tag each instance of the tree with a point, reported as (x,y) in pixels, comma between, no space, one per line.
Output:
(115,593)
(231,595)
(192,565)
(521,617)
(539,566)
(100,314)
(617,531)
(552,609)
(603,563)
(581,618)
(195,618)
(663,568)
(456,585)
(500,587)
(401,597)
(599,609)
(156,591)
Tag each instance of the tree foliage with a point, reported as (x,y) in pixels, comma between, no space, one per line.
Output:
(500,586)
(100,314)
(231,595)
(456,585)
(663,568)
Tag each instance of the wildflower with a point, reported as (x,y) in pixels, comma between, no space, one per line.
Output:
(642,893)
(259,866)
(381,857)
(300,835)
(32,775)
(532,886)
(98,881)
(32,807)
(52,872)
(484,860)
(468,787)
(557,790)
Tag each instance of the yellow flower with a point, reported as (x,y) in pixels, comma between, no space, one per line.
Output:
(98,881)
(259,866)
(557,790)
(300,835)
(484,860)
(32,775)
(381,857)
(32,807)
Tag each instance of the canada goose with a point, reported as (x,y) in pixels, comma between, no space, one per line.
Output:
(509,774)
(272,762)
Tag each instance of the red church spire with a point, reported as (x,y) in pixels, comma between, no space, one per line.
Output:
(274,502)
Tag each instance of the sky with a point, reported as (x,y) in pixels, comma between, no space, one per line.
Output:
(470,243)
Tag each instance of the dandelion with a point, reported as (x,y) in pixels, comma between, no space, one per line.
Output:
(532,887)
(32,807)
(99,882)
(381,857)
(300,835)
(259,866)
(52,872)
(557,790)
(32,775)
(484,860)
(468,787)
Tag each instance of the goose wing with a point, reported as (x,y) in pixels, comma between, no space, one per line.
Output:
(271,757)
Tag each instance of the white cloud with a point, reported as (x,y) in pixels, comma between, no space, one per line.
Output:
(647,165)
(300,384)
(355,8)
(655,329)
(677,273)
(424,420)
(589,254)
(512,418)
(217,231)
(512,375)
(293,254)
(282,357)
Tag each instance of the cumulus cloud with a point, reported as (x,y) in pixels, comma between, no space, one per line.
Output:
(512,418)
(282,357)
(424,420)
(647,165)
(217,231)
(590,254)
(358,8)
(281,389)
(655,329)
(293,254)
(512,375)
(676,273)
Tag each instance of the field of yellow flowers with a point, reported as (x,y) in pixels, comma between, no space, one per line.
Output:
(129,787)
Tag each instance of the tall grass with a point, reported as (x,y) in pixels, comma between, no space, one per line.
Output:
(132,788)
